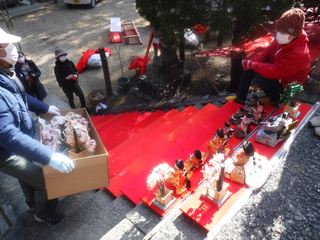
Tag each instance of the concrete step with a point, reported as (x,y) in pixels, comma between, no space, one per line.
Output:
(144,223)
(24,226)
(7,218)
(89,215)
(98,217)
(136,224)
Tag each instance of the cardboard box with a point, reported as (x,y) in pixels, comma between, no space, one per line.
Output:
(90,172)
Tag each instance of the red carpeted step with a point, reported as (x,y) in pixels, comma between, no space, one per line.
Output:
(142,134)
(122,154)
(197,139)
(199,136)
(97,119)
(115,134)
(132,128)
(153,135)
(103,120)
(114,120)
(120,123)
(116,166)
(160,145)
(150,140)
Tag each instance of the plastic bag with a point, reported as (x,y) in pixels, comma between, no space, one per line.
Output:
(191,38)
(94,61)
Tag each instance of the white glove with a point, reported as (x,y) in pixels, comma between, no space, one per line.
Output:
(53,110)
(61,163)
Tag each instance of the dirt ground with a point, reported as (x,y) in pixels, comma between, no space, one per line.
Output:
(79,28)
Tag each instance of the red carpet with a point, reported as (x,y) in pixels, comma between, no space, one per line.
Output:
(138,142)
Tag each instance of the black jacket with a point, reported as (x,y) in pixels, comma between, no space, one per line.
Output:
(62,70)
(33,70)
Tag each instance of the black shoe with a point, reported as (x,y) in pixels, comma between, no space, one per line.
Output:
(52,220)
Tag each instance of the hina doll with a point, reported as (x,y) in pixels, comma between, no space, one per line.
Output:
(219,143)
(195,160)
(236,117)
(258,113)
(243,128)
(180,178)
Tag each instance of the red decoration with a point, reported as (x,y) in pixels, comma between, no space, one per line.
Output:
(138,63)
(199,29)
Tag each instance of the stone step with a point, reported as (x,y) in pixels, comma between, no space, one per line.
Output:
(136,224)
(7,218)
(89,215)
(25,226)
(144,223)
(99,215)
(178,225)
(11,193)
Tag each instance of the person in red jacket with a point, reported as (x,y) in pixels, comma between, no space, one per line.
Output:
(285,60)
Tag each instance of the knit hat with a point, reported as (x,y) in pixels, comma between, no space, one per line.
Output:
(60,52)
(292,22)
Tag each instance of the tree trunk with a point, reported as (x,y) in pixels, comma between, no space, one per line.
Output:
(236,62)
(220,39)
(182,54)
(236,72)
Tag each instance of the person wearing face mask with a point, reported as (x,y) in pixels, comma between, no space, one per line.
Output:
(67,76)
(19,150)
(285,60)
(28,73)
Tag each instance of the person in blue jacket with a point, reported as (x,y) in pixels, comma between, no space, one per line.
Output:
(18,148)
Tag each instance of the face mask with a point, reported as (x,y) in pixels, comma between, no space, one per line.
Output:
(282,38)
(21,59)
(11,54)
(63,58)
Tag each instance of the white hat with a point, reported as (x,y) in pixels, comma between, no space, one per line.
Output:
(8,38)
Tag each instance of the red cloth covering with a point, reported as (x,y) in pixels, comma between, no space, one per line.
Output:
(85,57)
(313,31)
(248,48)
(137,63)
(199,29)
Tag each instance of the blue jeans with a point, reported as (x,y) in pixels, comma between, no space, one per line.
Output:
(271,87)
(31,180)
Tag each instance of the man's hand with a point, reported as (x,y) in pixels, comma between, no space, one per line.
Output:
(61,163)
(247,64)
(53,110)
